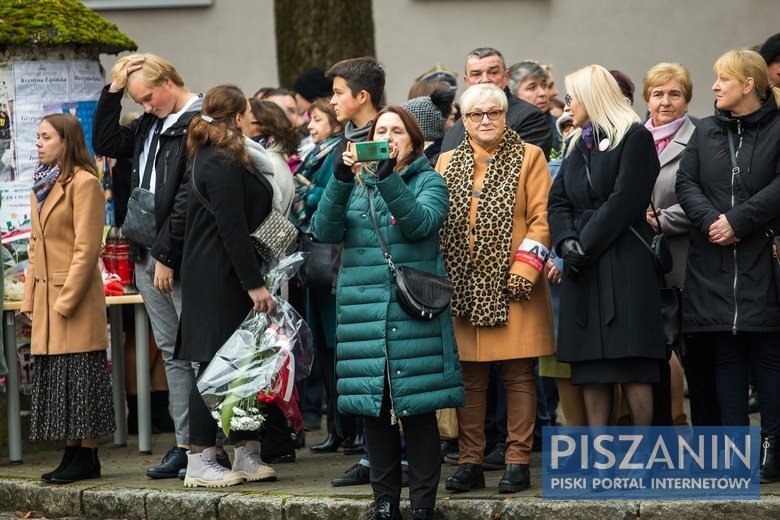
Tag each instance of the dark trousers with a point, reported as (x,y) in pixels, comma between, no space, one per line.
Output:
(343,425)
(698,359)
(662,396)
(203,427)
(734,356)
(422,447)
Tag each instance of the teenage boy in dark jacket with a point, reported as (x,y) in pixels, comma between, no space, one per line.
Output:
(156,144)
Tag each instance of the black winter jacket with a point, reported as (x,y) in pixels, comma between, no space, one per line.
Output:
(112,140)
(733,288)
(522,117)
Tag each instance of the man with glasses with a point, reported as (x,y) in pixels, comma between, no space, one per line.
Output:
(486,65)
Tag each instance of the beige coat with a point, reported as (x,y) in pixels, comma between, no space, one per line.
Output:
(529,329)
(63,292)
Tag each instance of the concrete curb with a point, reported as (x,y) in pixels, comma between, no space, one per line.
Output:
(100,501)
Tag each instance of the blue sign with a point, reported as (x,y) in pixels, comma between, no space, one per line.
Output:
(658,463)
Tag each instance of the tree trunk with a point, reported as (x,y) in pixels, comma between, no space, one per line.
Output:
(318,33)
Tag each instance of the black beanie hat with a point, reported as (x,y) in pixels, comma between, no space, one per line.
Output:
(313,84)
(771,49)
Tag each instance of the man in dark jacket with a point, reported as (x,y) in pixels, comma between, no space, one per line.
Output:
(486,65)
(156,144)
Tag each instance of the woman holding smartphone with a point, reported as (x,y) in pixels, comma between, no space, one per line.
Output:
(390,366)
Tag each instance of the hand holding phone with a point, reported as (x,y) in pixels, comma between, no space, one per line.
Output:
(370,151)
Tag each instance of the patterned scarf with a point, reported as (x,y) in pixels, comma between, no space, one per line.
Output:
(44,179)
(480,279)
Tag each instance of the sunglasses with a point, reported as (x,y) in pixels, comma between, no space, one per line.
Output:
(567,99)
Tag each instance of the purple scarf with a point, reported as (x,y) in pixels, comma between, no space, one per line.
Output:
(662,135)
(43,181)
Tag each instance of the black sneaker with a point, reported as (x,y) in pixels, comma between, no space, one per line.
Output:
(223,460)
(174,460)
(495,459)
(357,475)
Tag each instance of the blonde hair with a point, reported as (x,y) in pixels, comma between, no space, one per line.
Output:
(742,65)
(155,70)
(662,73)
(607,108)
(476,94)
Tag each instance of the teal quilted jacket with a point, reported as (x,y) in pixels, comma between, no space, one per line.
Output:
(373,333)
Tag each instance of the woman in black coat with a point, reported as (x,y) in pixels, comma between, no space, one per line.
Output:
(729,186)
(609,327)
(221,276)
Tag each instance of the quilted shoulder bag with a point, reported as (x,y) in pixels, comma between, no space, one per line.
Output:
(272,237)
(421,295)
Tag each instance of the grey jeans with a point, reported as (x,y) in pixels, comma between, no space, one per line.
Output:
(164,311)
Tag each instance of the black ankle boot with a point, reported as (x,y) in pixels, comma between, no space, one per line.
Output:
(469,476)
(383,510)
(770,459)
(67,457)
(85,464)
(422,513)
(516,478)
(329,445)
(161,418)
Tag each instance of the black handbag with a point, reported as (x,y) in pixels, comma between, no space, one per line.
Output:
(658,246)
(671,312)
(140,226)
(317,268)
(421,295)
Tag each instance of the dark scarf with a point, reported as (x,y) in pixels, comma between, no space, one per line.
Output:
(480,279)
(357,135)
(44,179)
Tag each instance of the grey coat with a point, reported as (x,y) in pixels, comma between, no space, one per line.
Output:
(674,222)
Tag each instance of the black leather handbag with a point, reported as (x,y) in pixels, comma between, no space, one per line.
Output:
(671,312)
(317,268)
(658,247)
(421,295)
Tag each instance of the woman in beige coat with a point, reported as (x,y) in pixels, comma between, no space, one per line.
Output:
(63,296)
(495,243)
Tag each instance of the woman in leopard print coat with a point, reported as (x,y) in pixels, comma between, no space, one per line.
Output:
(495,242)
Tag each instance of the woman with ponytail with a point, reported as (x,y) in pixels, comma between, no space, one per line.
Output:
(221,274)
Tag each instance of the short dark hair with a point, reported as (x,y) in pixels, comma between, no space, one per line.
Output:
(361,74)
(485,52)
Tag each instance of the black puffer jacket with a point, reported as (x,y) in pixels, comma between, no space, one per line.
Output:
(737,287)
(112,140)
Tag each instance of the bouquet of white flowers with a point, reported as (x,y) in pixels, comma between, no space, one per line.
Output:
(262,358)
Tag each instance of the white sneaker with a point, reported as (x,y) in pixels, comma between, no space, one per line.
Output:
(203,470)
(248,464)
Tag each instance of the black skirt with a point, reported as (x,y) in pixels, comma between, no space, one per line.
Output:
(611,371)
(71,397)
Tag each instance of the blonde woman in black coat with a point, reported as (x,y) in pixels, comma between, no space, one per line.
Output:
(610,327)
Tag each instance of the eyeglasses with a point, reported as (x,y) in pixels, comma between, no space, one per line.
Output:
(567,99)
(476,117)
